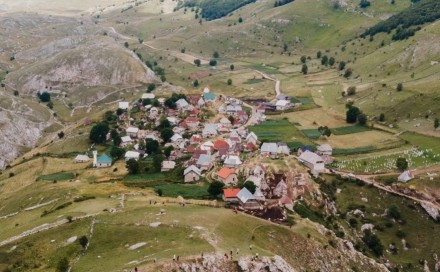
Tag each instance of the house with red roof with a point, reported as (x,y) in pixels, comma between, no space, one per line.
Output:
(194,113)
(192,122)
(227,176)
(171,112)
(230,195)
(221,144)
(195,139)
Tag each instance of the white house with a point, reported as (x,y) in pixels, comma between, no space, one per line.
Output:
(233,109)
(312,161)
(269,149)
(406,176)
(283,148)
(124,105)
(225,122)
(208,146)
(232,161)
(82,158)
(252,138)
(204,162)
(148,96)
(182,104)
(167,166)
(282,104)
(132,155)
(132,132)
(247,199)
(324,149)
(210,130)
(192,173)
(177,139)
(126,141)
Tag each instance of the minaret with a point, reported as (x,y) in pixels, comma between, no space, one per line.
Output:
(95,156)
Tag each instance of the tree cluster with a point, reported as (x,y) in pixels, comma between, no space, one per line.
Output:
(405,23)
(214,9)
(354,114)
(282,3)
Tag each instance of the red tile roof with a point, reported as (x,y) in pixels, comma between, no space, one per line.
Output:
(228,193)
(220,144)
(192,119)
(225,172)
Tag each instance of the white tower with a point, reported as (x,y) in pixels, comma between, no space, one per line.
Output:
(95,157)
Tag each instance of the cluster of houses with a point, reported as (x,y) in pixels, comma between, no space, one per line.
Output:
(217,146)
(276,188)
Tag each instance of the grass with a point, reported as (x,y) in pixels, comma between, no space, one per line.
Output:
(254,81)
(339,151)
(280,130)
(315,134)
(188,191)
(58,176)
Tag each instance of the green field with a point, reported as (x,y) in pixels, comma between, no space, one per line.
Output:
(315,134)
(58,176)
(280,130)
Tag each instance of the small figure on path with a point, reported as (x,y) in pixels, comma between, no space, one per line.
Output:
(250,247)
(174,257)
(237,251)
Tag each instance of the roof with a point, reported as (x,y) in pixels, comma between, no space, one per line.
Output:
(192,168)
(324,148)
(228,193)
(210,128)
(269,147)
(132,154)
(176,137)
(251,135)
(196,138)
(234,160)
(234,108)
(124,105)
(82,158)
(182,103)
(168,164)
(192,119)
(225,172)
(258,193)
(209,96)
(282,103)
(285,200)
(126,139)
(148,96)
(204,159)
(221,144)
(311,157)
(244,195)
(225,120)
(104,158)
(406,176)
(132,130)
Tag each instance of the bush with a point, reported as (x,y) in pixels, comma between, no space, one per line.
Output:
(351,90)
(63,265)
(213,62)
